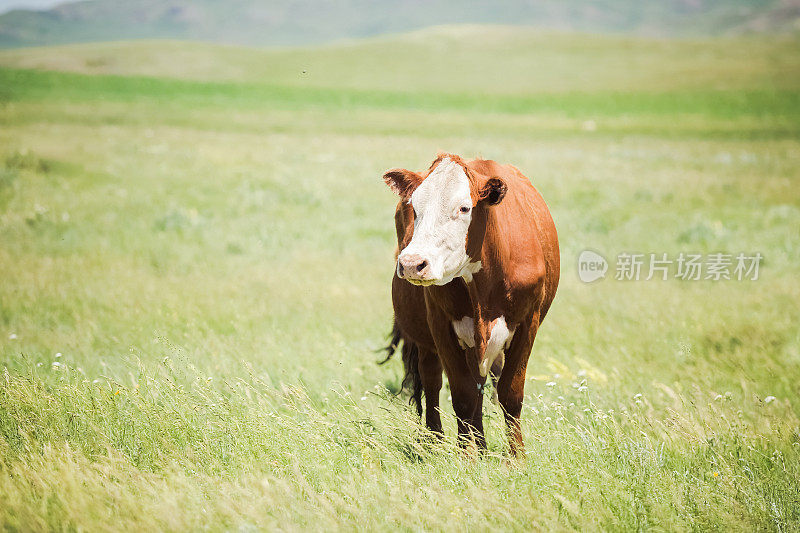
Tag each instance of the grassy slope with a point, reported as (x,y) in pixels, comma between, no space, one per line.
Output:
(211,259)
(455,59)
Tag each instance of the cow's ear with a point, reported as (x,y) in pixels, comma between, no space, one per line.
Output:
(493,191)
(402,181)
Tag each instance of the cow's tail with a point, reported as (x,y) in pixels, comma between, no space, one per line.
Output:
(412,382)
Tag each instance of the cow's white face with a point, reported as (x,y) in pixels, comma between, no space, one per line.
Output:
(443,207)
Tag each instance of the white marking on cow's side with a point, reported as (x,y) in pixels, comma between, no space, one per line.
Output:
(510,337)
(465,331)
(440,226)
(499,338)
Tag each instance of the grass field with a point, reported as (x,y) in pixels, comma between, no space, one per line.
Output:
(195,276)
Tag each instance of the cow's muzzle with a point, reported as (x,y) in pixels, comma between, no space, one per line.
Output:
(414,268)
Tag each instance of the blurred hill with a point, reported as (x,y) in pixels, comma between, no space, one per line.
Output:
(299,22)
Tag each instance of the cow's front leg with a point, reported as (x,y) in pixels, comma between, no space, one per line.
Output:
(467,397)
(430,372)
(511,386)
(468,407)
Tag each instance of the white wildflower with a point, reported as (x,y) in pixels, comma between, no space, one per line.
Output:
(58,354)
(583,388)
(12,336)
(550,384)
(769,399)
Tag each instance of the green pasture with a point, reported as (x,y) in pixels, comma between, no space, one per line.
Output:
(196,249)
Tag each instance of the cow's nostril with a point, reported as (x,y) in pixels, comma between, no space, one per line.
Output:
(421,266)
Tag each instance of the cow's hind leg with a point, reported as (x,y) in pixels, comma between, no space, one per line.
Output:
(430,371)
(511,386)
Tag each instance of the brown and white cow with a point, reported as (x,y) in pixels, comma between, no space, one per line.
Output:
(477,269)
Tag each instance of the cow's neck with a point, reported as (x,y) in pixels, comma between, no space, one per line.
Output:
(480,293)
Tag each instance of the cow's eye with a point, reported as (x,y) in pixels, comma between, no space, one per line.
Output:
(464,209)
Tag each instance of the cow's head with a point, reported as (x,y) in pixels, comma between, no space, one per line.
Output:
(449,208)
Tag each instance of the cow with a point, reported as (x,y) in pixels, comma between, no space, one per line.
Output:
(477,267)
